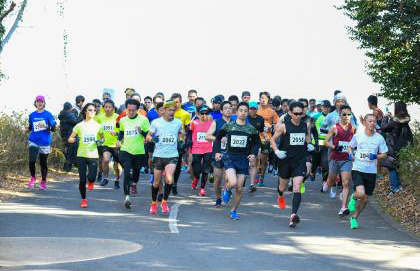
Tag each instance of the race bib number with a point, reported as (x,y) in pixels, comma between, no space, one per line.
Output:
(40,125)
(297,139)
(344,144)
(238,141)
(168,139)
(89,139)
(201,137)
(108,127)
(131,133)
(363,155)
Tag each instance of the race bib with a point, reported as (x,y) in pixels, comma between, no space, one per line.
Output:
(297,139)
(131,133)
(237,141)
(201,137)
(89,139)
(167,139)
(40,125)
(363,155)
(108,127)
(345,145)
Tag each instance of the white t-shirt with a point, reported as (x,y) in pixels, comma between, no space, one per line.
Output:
(365,145)
(167,147)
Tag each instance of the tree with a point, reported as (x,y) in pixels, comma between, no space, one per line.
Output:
(389,32)
(15,24)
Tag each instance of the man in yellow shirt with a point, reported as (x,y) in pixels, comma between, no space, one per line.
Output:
(185,119)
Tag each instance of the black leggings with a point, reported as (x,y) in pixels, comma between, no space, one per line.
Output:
(201,164)
(178,167)
(43,161)
(131,162)
(320,159)
(88,167)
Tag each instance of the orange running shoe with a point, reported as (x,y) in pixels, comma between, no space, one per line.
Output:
(164,206)
(153,208)
(90,185)
(84,203)
(282,202)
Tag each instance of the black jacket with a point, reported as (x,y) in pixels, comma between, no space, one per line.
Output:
(67,121)
(398,134)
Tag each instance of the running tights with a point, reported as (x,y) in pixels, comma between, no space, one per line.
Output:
(43,158)
(88,168)
(131,162)
(201,166)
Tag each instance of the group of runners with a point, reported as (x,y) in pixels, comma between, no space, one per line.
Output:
(226,139)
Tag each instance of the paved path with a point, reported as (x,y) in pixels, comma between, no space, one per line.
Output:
(48,230)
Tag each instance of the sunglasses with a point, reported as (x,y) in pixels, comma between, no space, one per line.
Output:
(91,110)
(205,113)
(217,102)
(297,114)
(346,115)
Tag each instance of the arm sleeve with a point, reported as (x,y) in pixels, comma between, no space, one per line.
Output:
(218,142)
(121,132)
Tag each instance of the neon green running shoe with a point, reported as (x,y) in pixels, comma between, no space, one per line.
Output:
(354,224)
(302,188)
(352,203)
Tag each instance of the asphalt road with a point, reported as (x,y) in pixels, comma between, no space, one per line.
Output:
(47,230)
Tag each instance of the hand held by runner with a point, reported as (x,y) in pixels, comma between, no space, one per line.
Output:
(218,157)
(310,147)
(280,154)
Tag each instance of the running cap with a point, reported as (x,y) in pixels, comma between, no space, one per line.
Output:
(40,98)
(326,103)
(246,93)
(218,99)
(340,96)
(253,105)
(203,108)
(169,103)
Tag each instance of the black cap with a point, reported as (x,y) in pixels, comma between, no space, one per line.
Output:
(67,106)
(326,103)
(246,93)
(218,99)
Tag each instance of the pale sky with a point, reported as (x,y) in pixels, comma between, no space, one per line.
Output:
(290,48)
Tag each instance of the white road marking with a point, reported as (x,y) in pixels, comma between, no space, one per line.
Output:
(173,226)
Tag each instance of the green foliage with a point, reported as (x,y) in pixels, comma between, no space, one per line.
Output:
(409,161)
(389,32)
(14,143)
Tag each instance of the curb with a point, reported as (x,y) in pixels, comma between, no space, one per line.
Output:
(389,219)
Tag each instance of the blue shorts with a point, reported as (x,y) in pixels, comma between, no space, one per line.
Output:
(239,163)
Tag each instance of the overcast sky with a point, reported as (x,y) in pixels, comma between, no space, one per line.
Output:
(290,48)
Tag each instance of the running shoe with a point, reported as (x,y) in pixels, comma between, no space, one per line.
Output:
(153,208)
(281,201)
(343,212)
(211,178)
(99,178)
(252,188)
(325,187)
(226,195)
(333,192)
(352,203)
(133,189)
(184,168)
(142,170)
(103,182)
(151,178)
(202,192)
(164,206)
(218,203)
(117,185)
(160,197)
(261,183)
(90,185)
(174,190)
(194,183)
(84,203)
(302,188)
(31,182)
(354,224)
(43,184)
(234,215)
(127,202)
(294,220)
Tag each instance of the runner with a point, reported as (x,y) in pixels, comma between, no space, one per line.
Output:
(370,147)
(109,148)
(270,120)
(246,96)
(294,138)
(234,100)
(166,132)
(148,102)
(189,106)
(216,101)
(211,135)
(341,135)
(258,122)
(88,132)
(242,146)
(132,130)
(128,95)
(41,124)
(185,119)
(201,148)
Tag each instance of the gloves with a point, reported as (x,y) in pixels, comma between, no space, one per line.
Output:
(311,147)
(350,157)
(99,142)
(338,148)
(373,156)
(280,154)
(155,138)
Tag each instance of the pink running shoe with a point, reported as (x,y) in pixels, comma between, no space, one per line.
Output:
(202,192)
(31,183)
(43,184)
(153,208)
(164,206)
